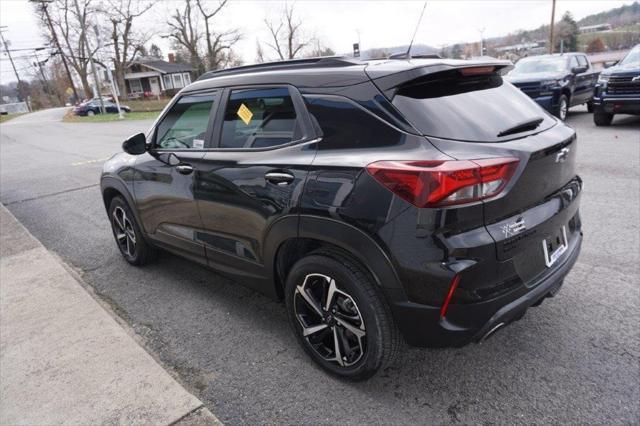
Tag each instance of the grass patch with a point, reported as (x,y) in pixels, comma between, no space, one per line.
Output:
(147,105)
(99,118)
(4,118)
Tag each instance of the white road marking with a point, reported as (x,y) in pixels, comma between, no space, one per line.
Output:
(82,163)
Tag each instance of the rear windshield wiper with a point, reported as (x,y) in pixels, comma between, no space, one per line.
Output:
(522,127)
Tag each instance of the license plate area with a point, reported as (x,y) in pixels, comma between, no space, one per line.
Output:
(554,247)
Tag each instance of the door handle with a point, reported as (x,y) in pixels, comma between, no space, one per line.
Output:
(184,169)
(279,178)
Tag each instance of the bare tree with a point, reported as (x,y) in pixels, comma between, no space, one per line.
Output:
(287,40)
(184,30)
(259,53)
(218,43)
(71,29)
(126,42)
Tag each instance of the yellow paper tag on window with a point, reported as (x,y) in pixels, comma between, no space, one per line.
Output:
(244,113)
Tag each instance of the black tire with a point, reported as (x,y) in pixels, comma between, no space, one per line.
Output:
(590,106)
(381,342)
(602,118)
(562,110)
(134,249)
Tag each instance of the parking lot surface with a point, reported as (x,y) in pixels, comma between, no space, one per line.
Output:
(576,358)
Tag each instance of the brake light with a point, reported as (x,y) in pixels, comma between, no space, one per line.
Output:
(444,183)
(476,71)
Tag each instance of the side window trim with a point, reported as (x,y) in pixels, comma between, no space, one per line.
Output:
(308,132)
(210,125)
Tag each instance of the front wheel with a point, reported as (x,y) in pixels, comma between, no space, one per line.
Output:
(563,107)
(90,113)
(339,316)
(602,118)
(128,235)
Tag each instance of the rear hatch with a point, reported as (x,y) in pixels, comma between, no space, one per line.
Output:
(475,114)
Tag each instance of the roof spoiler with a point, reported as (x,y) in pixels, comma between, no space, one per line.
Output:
(322,61)
(389,83)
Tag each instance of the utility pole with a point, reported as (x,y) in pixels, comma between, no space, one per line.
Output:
(6,48)
(551,29)
(93,65)
(45,83)
(481,31)
(114,92)
(55,40)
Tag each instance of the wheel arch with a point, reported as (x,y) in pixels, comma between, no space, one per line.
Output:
(110,188)
(342,239)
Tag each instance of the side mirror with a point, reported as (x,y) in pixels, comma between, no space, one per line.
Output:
(578,70)
(135,145)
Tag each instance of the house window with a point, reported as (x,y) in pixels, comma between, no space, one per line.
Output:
(187,78)
(135,85)
(168,84)
(177,81)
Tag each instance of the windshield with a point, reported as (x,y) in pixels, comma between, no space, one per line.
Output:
(540,65)
(479,108)
(632,58)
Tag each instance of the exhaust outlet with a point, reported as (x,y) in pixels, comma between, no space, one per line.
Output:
(492,331)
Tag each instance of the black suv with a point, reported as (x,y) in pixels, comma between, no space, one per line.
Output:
(425,201)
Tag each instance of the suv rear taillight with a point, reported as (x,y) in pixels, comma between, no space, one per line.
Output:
(444,183)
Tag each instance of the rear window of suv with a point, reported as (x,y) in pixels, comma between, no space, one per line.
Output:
(475,108)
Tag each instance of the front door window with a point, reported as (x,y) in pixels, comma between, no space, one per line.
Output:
(185,125)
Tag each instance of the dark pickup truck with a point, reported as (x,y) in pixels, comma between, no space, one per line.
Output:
(556,82)
(618,89)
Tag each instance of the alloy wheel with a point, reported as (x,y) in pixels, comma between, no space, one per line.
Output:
(331,322)
(563,109)
(125,234)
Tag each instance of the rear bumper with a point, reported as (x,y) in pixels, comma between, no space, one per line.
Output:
(617,105)
(421,325)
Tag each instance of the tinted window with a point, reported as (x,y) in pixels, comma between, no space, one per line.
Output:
(259,118)
(473,108)
(344,125)
(185,125)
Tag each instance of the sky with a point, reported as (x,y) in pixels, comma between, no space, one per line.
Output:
(337,24)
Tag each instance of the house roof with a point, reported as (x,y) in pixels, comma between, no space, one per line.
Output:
(165,67)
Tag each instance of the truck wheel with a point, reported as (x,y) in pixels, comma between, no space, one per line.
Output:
(563,107)
(602,118)
(590,106)
(340,317)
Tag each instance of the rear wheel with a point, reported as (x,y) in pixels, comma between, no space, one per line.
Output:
(90,113)
(602,118)
(339,316)
(127,233)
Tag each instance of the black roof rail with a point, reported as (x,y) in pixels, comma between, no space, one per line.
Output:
(323,61)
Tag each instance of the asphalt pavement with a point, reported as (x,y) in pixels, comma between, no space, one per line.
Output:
(574,359)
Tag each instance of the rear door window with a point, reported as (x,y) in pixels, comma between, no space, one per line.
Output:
(260,118)
(477,108)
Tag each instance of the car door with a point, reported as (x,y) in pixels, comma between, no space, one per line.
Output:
(252,177)
(582,86)
(165,175)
